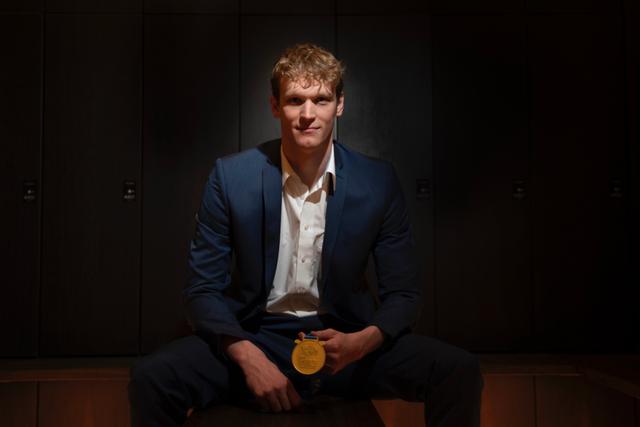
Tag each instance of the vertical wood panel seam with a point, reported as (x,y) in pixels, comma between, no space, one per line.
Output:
(40,237)
(528,99)
(239,94)
(430,45)
(434,179)
(141,187)
(627,174)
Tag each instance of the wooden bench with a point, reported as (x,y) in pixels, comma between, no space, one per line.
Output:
(520,390)
(322,411)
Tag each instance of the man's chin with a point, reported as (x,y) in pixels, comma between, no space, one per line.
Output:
(308,144)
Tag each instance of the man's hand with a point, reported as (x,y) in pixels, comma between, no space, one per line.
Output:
(272,389)
(342,349)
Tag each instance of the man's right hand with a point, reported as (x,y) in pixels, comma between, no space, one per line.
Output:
(272,389)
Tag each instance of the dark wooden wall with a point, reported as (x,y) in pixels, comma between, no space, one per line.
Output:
(518,119)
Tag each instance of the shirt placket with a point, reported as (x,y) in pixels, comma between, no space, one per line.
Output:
(306,259)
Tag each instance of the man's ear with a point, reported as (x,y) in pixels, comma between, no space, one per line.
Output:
(340,107)
(275,108)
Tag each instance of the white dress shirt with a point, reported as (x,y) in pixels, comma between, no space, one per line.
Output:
(302,220)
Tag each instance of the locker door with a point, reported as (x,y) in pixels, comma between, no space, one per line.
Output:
(481,164)
(20,183)
(91,235)
(190,119)
(582,300)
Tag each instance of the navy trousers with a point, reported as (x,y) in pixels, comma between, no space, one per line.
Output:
(186,374)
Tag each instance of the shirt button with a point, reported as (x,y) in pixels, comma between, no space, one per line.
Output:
(303,260)
(306,227)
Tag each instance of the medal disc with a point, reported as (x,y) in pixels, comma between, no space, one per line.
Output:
(308,356)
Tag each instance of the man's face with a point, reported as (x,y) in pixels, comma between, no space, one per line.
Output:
(307,114)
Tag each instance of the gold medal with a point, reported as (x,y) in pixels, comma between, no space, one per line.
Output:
(308,355)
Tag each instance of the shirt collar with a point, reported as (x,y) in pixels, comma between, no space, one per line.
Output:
(288,171)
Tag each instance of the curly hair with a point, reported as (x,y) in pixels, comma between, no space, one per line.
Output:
(309,64)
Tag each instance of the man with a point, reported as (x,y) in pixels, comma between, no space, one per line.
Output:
(298,217)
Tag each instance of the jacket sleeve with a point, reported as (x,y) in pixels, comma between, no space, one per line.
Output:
(396,268)
(210,266)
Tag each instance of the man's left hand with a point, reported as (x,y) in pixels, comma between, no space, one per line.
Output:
(345,348)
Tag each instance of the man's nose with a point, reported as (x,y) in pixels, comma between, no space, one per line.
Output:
(308,110)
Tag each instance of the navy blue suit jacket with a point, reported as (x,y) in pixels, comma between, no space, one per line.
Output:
(239,223)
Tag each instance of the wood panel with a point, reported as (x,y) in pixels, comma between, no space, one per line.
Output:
(580,251)
(609,408)
(477,7)
(481,158)
(21,5)
(20,130)
(190,119)
(596,7)
(320,412)
(65,369)
(191,6)
(263,38)
(561,402)
(364,7)
(573,402)
(94,6)
(83,404)
(399,413)
(91,236)
(507,401)
(18,404)
(388,114)
(615,371)
(529,364)
(287,7)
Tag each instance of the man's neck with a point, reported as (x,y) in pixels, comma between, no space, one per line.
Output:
(308,165)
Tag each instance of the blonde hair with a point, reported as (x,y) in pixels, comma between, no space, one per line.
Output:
(309,64)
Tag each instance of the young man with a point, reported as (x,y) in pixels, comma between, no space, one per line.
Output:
(300,216)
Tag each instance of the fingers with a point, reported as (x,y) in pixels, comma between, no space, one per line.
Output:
(284,399)
(331,346)
(274,402)
(281,398)
(325,334)
(294,397)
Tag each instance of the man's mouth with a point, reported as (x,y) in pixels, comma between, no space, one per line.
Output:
(308,130)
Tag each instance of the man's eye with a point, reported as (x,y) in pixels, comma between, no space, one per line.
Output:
(294,101)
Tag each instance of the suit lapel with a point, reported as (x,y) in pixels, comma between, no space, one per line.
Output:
(335,203)
(272,202)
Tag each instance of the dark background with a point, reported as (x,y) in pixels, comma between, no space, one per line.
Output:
(512,124)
